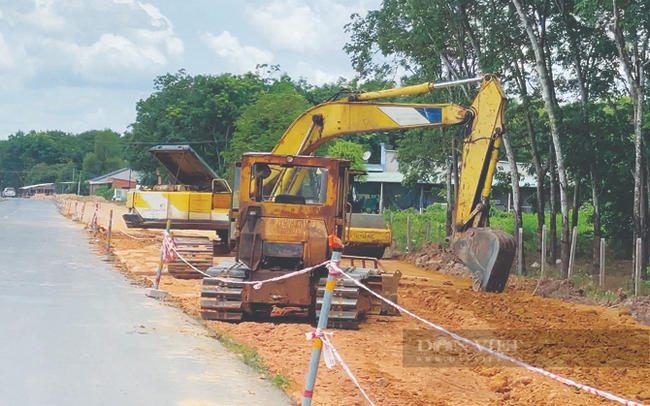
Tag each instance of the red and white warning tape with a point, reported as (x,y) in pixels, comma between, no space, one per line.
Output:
(256,284)
(504,357)
(331,356)
(330,353)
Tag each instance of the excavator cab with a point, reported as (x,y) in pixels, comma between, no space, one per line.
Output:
(288,207)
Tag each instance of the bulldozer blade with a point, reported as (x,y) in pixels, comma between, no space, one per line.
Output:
(489,254)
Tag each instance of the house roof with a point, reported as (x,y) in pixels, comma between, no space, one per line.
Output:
(40,185)
(122,174)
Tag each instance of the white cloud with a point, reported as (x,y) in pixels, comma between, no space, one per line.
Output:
(242,58)
(6,58)
(44,18)
(100,41)
(317,76)
(303,25)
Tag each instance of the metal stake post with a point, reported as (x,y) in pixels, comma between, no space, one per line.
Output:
(408,234)
(322,324)
(601,279)
(543,260)
(108,236)
(637,267)
(572,253)
(154,292)
(83,210)
(520,252)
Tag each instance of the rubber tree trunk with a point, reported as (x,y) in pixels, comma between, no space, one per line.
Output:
(576,203)
(516,197)
(540,170)
(553,214)
(633,68)
(450,201)
(573,41)
(549,107)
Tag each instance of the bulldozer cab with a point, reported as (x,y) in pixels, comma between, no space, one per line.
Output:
(284,220)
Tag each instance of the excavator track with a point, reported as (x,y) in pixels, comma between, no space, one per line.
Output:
(221,299)
(198,251)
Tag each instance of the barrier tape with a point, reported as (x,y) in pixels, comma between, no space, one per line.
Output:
(331,356)
(256,284)
(504,357)
(134,237)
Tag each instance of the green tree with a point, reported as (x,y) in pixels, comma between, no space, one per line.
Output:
(348,150)
(200,111)
(262,123)
(106,157)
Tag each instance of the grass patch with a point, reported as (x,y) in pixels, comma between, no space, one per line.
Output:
(252,358)
(280,381)
(435,216)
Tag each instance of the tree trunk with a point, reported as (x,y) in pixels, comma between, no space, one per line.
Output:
(540,171)
(450,201)
(516,197)
(573,38)
(596,220)
(549,107)
(552,220)
(634,77)
(576,203)
(454,162)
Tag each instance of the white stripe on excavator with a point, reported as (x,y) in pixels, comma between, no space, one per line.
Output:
(404,115)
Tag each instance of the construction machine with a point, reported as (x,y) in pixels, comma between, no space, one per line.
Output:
(195,199)
(289,204)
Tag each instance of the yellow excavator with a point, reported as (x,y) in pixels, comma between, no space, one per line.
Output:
(287,206)
(198,200)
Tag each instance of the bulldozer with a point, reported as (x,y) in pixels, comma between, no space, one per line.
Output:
(288,205)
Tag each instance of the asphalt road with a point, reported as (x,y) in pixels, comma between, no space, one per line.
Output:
(73,331)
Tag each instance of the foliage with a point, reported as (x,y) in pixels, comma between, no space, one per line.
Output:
(42,157)
(436,215)
(200,111)
(106,156)
(105,192)
(351,151)
(261,125)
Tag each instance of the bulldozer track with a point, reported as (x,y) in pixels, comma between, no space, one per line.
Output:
(198,251)
(221,298)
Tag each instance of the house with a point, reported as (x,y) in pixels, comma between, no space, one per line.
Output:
(41,188)
(383,187)
(124,178)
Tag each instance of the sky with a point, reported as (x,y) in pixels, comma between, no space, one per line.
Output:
(78,65)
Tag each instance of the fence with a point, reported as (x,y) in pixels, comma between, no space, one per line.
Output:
(412,231)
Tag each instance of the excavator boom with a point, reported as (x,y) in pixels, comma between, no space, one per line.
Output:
(488,253)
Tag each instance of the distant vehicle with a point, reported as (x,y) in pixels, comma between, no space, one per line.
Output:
(9,192)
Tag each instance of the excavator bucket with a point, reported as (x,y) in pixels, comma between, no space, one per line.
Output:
(489,254)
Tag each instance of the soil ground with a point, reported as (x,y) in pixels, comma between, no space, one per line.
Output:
(376,356)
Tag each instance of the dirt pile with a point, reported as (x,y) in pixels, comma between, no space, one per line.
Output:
(80,198)
(40,196)
(436,258)
(639,308)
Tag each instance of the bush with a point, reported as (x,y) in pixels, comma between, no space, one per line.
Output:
(105,192)
(437,215)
